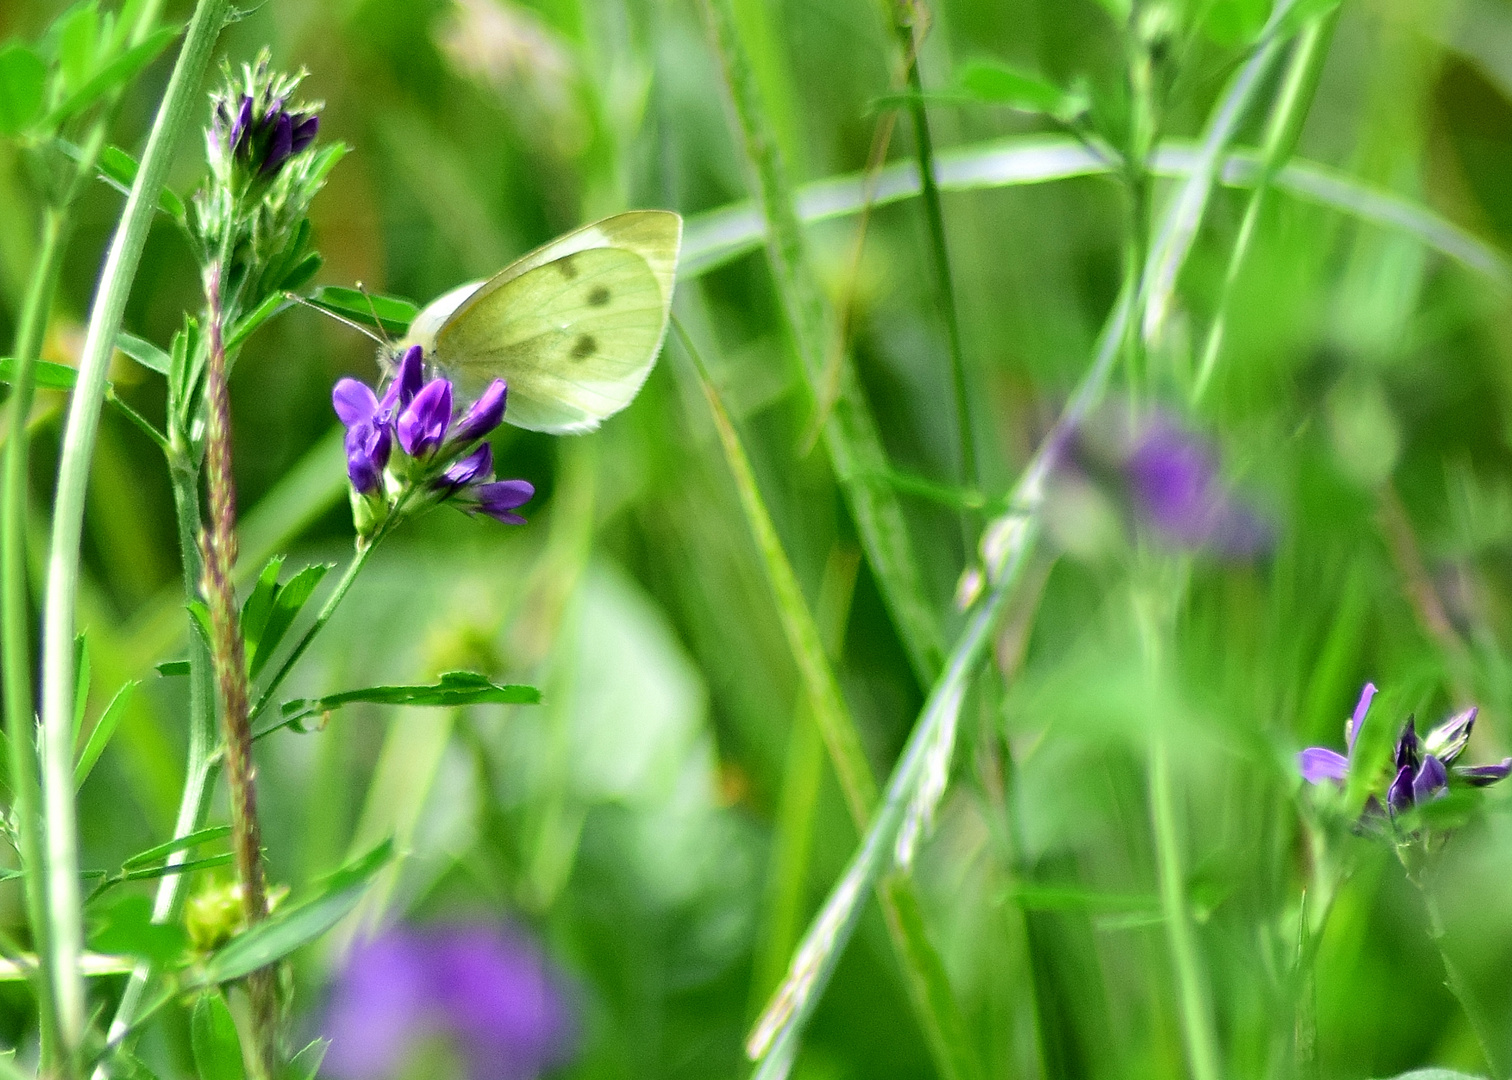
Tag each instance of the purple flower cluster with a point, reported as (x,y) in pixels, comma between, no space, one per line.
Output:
(1423,767)
(442,452)
(485,989)
(261,139)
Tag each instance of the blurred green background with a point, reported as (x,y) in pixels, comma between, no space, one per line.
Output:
(1363,400)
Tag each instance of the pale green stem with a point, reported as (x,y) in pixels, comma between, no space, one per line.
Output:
(1196,1018)
(1281,134)
(65,914)
(19,717)
(1489,1031)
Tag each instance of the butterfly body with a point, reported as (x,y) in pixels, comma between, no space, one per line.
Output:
(573,327)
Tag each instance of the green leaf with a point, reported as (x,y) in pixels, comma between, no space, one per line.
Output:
(394,315)
(455,688)
(119,169)
(1437,1074)
(305,1065)
(288,599)
(302,271)
(100,737)
(1231,23)
(182,843)
(23,78)
(144,352)
(45,374)
(81,684)
(271,305)
(1301,13)
(297,925)
(998,84)
(115,74)
(75,32)
(259,605)
(173,668)
(127,929)
(217,1047)
(201,621)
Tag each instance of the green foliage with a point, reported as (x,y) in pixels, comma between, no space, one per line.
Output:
(217,1046)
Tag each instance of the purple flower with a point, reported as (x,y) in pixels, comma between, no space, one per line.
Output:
(486,414)
(486,989)
(475,467)
(1318,763)
(1173,479)
(367,436)
(1422,767)
(423,423)
(499,499)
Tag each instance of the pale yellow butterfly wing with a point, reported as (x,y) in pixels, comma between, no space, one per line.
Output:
(574,338)
(574,327)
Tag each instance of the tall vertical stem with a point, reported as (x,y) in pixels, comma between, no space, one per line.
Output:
(15,628)
(1485,1027)
(65,914)
(229,660)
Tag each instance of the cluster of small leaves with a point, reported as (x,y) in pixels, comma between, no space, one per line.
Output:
(49,89)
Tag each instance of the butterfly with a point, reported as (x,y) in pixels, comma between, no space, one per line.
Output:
(574,327)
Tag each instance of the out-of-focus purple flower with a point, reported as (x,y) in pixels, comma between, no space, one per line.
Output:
(1422,767)
(487,989)
(423,423)
(1174,484)
(252,128)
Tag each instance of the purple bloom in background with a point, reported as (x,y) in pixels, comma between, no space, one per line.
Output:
(260,142)
(487,989)
(1423,766)
(1174,483)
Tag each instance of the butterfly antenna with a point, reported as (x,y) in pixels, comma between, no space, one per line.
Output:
(328,313)
(373,309)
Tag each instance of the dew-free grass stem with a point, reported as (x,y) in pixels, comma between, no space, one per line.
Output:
(15,620)
(65,916)
(1489,1032)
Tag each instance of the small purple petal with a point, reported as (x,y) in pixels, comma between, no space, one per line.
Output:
(409,377)
(1399,795)
(281,145)
(475,466)
(242,125)
(1318,763)
(498,499)
(485,414)
(1447,741)
(367,449)
(1481,775)
(354,402)
(305,130)
(1431,782)
(423,423)
(1407,752)
(1352,729)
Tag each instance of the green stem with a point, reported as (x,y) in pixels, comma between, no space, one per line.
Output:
(1196,1019)
(359,560)
(945,298)
(15,620)
(1486,1028)
(851,435)
(65,914)
(1281,133)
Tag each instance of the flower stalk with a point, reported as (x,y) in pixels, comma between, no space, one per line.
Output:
(229,662)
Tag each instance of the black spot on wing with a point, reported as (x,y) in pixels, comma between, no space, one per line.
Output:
(584,347)
(598,296)
(567,267)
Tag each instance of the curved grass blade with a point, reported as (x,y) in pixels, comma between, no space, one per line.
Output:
(715,237)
